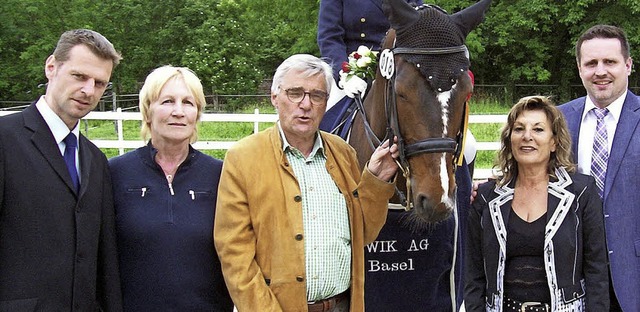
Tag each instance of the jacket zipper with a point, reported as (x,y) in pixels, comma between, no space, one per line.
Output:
(169,180)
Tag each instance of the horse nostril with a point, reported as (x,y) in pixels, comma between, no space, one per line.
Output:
(424,206)
(431,211)
(424,202)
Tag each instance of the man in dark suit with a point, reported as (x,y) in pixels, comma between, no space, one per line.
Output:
(57,240)
(604,63)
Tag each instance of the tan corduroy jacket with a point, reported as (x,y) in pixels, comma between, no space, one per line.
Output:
(258,230)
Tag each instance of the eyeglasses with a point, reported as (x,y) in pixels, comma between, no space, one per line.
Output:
(296,95)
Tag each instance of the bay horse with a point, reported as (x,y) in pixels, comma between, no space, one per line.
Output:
(419,95)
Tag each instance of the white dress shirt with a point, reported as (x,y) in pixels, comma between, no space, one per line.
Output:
(59,129)
(588,131)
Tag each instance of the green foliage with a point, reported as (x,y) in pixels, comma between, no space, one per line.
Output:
(221,51)
(533,41)
(242,42)
(232,45)
(149,34)
(25,42)
(235,45)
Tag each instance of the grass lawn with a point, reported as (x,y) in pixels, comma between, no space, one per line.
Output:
(207,131)
(233,131)
(487,132)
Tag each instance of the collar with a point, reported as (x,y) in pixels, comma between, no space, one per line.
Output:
(150,153)
(615,108)
(58,127)
(558,205)
(317,145)
(561,178)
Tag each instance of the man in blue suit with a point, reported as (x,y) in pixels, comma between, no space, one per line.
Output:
(604,64)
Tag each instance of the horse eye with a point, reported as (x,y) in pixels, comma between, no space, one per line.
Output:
(402,96)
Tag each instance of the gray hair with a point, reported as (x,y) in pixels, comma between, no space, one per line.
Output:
(308,64)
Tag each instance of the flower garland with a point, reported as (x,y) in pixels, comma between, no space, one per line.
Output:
(362,63)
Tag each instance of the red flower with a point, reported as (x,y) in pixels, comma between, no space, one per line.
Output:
(356,55)
(345,67)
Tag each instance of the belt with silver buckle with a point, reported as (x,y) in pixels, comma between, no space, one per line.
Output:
(527,306)
(534,306)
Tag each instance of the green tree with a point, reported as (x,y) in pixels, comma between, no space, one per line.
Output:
(240,43)
(235,45)
(149,34)
(29,34)
(532,41)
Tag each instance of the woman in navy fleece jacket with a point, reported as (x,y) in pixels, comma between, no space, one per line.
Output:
(165,195)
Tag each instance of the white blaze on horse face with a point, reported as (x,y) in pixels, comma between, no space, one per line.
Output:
(444,178)
(443,98)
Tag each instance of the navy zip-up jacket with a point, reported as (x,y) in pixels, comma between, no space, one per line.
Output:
(165,233)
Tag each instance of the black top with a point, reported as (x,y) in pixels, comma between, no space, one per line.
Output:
(525,278)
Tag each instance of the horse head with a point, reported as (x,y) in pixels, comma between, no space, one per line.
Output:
(419,95)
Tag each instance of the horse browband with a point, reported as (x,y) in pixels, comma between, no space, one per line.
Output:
(430,51)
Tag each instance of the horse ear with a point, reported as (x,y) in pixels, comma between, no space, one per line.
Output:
(400,14)
(470,17)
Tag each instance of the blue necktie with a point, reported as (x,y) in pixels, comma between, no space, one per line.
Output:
(71,143)
(600,153)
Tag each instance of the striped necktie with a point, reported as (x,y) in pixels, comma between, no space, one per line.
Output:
(600,153)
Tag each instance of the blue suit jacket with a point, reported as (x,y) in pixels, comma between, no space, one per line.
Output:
(621,197)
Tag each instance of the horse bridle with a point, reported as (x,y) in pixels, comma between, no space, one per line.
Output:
(428,145)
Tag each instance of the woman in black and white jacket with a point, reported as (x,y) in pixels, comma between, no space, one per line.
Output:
(536,234)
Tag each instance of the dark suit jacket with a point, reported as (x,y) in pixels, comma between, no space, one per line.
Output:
(575,251)
(621,197)
(57,249)
(344,25)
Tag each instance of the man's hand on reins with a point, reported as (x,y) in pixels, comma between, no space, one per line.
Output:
(382,163)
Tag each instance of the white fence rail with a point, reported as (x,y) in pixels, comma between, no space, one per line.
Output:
(256,118)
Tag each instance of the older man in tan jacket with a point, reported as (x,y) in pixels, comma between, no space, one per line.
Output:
(294,211)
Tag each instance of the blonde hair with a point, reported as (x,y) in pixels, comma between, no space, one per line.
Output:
(153,85)
(562,157)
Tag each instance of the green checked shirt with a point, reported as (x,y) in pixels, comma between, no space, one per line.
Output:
(326,223)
